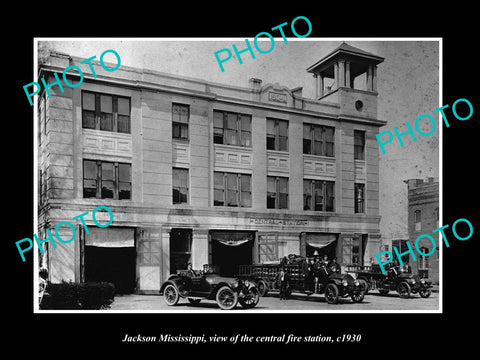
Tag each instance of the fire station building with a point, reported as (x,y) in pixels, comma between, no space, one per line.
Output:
(207,173)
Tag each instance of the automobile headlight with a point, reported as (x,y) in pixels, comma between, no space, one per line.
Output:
(413,282)
(357,282)
(345,283)
(422,281)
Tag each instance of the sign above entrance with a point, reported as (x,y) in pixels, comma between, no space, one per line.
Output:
(270,221)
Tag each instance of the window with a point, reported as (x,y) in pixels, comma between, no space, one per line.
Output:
(417,219)
(359,145)
(105,112)
(318,195)
(277,135)
(267,248)
(318,140)
(106,180)
(180,249)
(277,192)
(232,189)
(359,198)
(180,118)
(232,128)
(180,186)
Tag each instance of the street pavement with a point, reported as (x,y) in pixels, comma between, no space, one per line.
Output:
(372,302)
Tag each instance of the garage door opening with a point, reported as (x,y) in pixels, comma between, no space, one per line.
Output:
(320,244)
(110,256)
(229,249)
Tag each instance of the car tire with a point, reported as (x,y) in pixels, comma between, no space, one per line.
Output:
(251,300)
(404,290)
(358,298)
(226,298)
(262,288)
(365,284)
(331,293)
(383,291)
(425,293)
(194,301)
(171,295)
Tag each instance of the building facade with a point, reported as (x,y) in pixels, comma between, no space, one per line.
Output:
(423,218)
(207,173)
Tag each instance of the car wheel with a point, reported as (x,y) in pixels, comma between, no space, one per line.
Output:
(331,293)
(358,297)
(194,301)
(171,295)
(425,293)
(250,299)
(226,298)
(383,291)
(404,290)
(365,284)
(262,288)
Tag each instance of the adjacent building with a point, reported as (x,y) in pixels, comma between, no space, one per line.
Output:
(207,173)
(423,218)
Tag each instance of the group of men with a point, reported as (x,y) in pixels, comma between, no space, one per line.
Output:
(314,269)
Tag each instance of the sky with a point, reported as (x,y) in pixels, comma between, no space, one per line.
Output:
(407,85)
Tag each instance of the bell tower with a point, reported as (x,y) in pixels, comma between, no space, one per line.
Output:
(348,76)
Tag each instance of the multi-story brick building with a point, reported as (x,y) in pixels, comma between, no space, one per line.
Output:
(208,173)
(423,218)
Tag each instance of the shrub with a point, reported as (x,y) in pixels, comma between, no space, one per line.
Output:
(78,296)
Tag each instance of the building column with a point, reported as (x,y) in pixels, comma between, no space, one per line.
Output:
(317,87)
(348,82)
(369,78)
(374,79)
(199,248)
(335,75)
(341,73)
(321,85)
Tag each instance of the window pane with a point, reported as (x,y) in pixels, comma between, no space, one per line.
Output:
(89,169)
(307,131)
(271,127)
(270,142)
(246,138)
(124,190)
(106,104)
(283,143)
(218,119)
(307,194)
(271,192)
(330,194)
(231,137)
(318,188)
(231,121)
(283,201)
(246,122)
(307,146)
(283,128)
(124,124)
(106,122)
(232,190)
(271,184)
(219,195)
(88,101)
(232,182)
(89,188)
(270,200)
(108,171)
(124,172)
(246,199)
(246,182)
(107,189)
(283,185)
(123,106)
(218,180)
(88,119)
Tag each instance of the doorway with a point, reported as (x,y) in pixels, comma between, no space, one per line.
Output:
(229,249)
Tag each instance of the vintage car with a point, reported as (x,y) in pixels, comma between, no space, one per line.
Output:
(397,278)
(333,285)
(196,285)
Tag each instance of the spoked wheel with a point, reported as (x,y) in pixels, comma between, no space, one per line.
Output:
(425,293)
(358,297)
(331,293)
(194,301)
(171,295)
(226,298)
(250,299)
(404,290)
(262,288)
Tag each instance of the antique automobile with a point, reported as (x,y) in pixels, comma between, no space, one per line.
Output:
(397,278)
(333,285)
(197,285)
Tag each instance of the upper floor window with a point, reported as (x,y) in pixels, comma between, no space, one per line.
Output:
(359,198)
(277,192)
(180,118)
(232,189)
(180,186)
(417,219)
(318,140)
(277,135)
(232,128)
(105,112)
(318,195)
(106,180)
(359,145)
